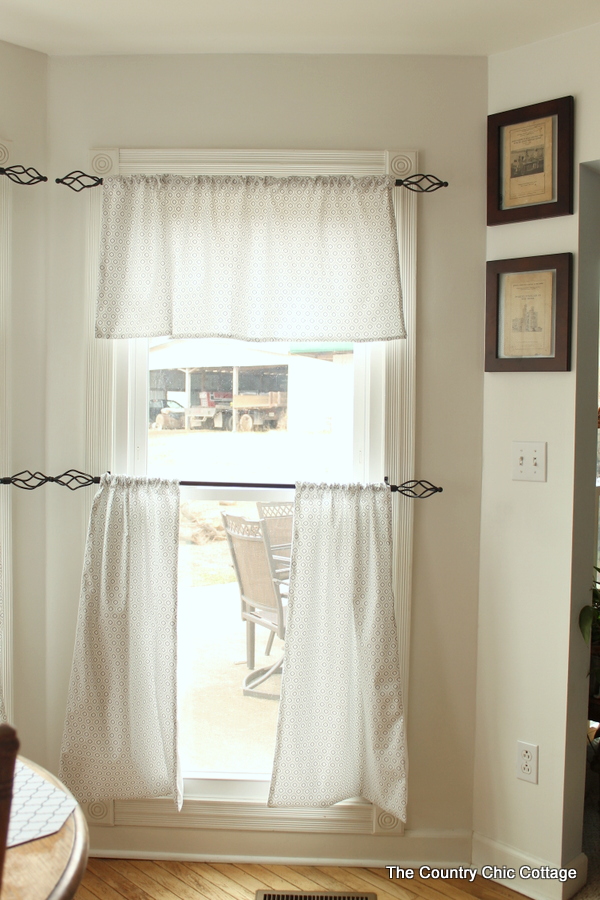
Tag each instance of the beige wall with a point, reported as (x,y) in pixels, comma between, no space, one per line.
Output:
(436,105)
(537,539)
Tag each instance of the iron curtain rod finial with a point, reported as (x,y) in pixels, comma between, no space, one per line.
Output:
(22,175)
(419,489)
(79,181)
(29,481)
(421,184)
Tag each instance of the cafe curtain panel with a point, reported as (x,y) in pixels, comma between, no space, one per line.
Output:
(341,730)
(252,258)
(120,734)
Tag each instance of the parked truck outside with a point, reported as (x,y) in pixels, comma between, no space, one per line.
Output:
(215,410)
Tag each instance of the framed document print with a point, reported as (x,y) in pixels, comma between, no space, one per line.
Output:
(530,162)
(528,314)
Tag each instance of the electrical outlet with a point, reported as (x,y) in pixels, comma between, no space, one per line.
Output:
(527,762)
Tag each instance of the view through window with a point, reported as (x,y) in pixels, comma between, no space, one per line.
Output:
(222,410)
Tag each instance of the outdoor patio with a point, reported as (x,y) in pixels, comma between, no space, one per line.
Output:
(221,730)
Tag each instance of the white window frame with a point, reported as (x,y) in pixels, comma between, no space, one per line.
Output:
(241,803)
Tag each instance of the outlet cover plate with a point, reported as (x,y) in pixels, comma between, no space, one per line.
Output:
(527,762)
(529,460)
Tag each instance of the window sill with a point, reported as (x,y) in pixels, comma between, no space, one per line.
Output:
(356,816)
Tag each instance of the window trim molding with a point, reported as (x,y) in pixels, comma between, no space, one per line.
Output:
(399,442)
(350,817)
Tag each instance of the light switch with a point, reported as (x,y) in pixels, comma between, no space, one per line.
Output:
(529,460)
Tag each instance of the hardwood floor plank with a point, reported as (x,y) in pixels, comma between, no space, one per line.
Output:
(296,876)
(230,870)
(400,889)
(424,892)
(194,874)
(117,880)
(417,887)
(84,894)
(235,890)
(167,881)
(128,868)
(481,888)
(98,887)
(438,893)
(268,878)
(325,882)
(356,882)
(484,889)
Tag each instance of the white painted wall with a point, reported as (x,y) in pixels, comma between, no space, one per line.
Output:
(537,539)
(436,105)
(23,121)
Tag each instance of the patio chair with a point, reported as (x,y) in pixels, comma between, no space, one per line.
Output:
(278,520)
(263,592)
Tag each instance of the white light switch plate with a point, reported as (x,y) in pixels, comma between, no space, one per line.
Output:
(529,460)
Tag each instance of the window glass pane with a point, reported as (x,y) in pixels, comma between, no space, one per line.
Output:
(228,411)
(222,730)
(232,411)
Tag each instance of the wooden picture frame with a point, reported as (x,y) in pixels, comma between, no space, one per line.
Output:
(530,162)
(528,314)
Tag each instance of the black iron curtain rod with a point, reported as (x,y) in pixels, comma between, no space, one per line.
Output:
(79,181)
(74,479)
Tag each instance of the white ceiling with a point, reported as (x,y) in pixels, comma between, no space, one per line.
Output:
(472,27)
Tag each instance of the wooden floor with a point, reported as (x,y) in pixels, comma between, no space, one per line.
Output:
(135,879)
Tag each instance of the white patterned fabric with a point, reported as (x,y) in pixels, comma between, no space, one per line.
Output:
(120,735)
(252,258)
(341,732)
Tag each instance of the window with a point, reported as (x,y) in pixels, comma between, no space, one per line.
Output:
(217,410)
(122,396)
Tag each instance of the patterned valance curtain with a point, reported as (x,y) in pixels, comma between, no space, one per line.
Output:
(341,729)
(252,258)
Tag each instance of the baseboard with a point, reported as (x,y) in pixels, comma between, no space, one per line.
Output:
(496,854)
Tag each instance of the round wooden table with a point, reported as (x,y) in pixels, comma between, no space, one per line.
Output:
(48,868)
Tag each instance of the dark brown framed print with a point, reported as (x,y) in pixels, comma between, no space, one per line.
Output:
(530,162)
(528,314)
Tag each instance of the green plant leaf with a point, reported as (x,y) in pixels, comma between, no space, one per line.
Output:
(587,616)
